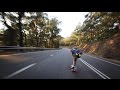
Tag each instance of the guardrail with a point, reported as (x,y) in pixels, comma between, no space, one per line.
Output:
(23,49)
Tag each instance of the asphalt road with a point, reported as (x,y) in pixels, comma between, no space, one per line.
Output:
(55,64)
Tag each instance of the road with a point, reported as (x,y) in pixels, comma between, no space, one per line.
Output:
(55,64)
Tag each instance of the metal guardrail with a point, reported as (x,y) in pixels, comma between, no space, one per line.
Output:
(28,48)
(23,49)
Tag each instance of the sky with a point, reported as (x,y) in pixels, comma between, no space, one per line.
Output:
(69,21)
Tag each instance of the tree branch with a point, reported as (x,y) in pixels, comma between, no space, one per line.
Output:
(3,16)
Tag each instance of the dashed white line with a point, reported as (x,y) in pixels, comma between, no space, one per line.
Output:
(19,71)
(95,70)
(103,60)
(51,55)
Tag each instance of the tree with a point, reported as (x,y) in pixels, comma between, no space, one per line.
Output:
(30,29)
(52,31)
(97,26)
(20,16)
(10,33)
(36,28)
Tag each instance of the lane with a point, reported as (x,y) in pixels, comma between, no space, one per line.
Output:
(12,63)
(111,70)
(57,67)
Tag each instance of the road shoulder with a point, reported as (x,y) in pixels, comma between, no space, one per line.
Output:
(110,60)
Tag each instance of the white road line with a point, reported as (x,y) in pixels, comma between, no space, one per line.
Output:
(19,71)
(51,55)
(103,60)
(95,70)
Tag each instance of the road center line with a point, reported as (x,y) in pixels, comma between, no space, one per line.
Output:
(19,71)
(95,70)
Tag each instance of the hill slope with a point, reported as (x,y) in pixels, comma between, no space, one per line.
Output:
(109,48)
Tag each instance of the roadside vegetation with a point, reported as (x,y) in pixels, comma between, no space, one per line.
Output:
(98,35)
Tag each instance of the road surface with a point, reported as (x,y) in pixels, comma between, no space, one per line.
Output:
(55,64)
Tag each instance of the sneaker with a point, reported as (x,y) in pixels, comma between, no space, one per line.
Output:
(75,69)
(72,66)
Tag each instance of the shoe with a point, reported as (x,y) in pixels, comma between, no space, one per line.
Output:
(72,67)
(75,69)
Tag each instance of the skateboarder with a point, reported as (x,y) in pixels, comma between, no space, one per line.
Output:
(76,53)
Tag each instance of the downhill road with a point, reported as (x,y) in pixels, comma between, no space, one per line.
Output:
(55,64)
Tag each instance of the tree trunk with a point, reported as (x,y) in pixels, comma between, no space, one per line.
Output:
(21,35)
(20,28)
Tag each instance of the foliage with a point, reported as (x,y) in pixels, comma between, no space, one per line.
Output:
(30,29)
(97,26)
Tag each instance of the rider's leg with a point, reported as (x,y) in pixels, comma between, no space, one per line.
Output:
(74,64)
(74,61)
